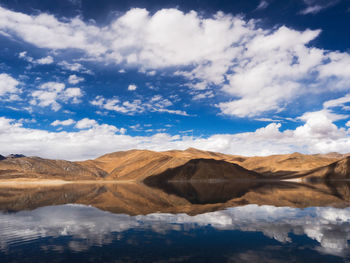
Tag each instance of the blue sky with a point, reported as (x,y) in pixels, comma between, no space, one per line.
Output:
(79,79)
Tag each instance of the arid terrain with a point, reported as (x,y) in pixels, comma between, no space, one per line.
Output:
(188,165)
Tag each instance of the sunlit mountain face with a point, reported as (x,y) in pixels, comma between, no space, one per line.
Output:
(239,77)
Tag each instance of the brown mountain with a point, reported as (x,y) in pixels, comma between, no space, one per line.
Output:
(338,170)
(205,169)
(136,165)
(139,164)
(285,164)
(35,167)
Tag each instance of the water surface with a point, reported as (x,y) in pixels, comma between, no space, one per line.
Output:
(184,222)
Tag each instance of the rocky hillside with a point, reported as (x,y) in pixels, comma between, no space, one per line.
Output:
(285,164)
(338,170)
(139,164)
(205,170)
(136,165)
(36,167)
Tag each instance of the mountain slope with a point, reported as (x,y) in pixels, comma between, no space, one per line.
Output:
(139,164)
(44,168)
(205,169)
(338,170)
(284,164)
(136,165)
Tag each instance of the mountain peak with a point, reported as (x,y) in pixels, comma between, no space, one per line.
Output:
(191,149)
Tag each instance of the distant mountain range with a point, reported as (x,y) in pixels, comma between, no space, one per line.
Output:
(188,165)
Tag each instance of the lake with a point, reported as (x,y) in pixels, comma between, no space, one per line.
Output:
(176,222)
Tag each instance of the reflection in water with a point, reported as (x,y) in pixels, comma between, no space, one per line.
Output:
(177,222)
(208,192)
(324,230)
(277,193)
(192,198)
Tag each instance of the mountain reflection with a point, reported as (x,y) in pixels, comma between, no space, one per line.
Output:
(181,197)
(208,192)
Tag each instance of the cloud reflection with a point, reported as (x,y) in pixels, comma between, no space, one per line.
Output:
(89,226)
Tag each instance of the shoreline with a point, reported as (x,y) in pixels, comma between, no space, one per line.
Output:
(54,182)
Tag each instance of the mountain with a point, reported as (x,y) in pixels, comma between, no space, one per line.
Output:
(204,169)
(35,167)
(338,170)
(284,164)
(137,165)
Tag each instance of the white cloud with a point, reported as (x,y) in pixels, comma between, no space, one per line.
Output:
(337,102)
(132,87)
(23,55)
(86,123)
(203,95)
(155,104)
(74,79)
(45,61)
(41,61)
(51,93)
(316,6)
(77,67)
(62,123)
(8,86)
(259,70)
(318,134)
(262,5)
(72,94)
(311,9)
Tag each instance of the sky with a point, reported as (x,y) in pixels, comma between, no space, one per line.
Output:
(80,78)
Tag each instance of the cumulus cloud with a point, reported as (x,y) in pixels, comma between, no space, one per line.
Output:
(155,104)
(41,61)
(62,123)
(75,67)
(317,134)
(45,61)
(50,94)
(74,79)
(132,87)
(260,70)
(86,123)
(9,87)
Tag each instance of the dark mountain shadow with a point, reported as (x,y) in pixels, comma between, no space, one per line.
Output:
(204,170)
(208,192)
(221,192)
(339,170)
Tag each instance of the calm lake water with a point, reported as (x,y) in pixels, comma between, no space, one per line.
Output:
(254,222)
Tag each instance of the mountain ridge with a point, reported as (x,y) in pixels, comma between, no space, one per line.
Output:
(137,165)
